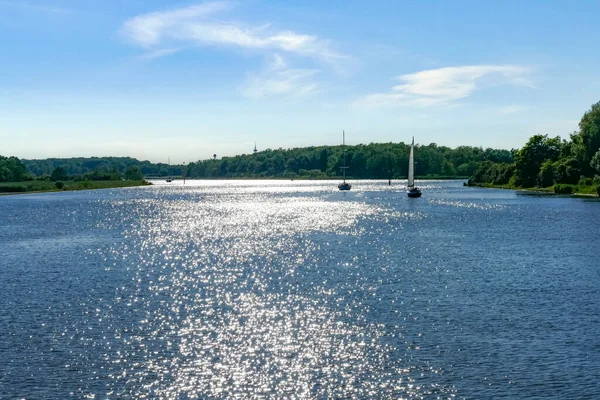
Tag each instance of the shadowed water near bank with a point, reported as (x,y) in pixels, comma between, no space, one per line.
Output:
(242,289)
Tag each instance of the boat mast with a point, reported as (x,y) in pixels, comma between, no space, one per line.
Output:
(344,147)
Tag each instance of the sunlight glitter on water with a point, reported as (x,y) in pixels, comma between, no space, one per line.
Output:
(296,290)
(226,309)
(467,204)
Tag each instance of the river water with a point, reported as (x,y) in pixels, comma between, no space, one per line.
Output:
(281,289)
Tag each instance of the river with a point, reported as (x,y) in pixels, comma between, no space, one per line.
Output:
(293,289)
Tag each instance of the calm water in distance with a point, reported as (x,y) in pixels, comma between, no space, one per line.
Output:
(281,289)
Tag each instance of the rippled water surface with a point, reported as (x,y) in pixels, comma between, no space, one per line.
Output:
(280,289)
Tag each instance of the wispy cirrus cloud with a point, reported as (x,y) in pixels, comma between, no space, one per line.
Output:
(199,25)
(159,53)
(447,85)
(152,28)
(279,79)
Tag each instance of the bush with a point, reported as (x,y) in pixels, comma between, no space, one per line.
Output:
(564,188)
(598,190)
(12,189)
(585,182)
(60,185)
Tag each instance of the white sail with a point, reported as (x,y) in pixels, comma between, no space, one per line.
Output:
(344,147)
(411,166)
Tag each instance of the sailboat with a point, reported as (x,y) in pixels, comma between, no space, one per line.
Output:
(344,185)
(169,164)
(412,190)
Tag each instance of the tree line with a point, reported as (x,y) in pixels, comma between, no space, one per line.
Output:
(13,169)
(567,165)
(543,161)
(100,167)
(371,161)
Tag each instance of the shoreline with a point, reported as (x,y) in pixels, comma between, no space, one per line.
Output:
(547,191)
(69,186)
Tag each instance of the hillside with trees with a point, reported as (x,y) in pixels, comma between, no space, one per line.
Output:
(566,165)
(372,161)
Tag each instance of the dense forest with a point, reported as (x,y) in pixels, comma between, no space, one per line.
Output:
(12,169)
(567,165)
(372,161)
(101,165)
(375,160)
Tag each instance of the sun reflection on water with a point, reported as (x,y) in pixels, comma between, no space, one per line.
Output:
(234,299)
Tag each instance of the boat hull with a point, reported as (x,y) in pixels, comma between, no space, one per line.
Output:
(344,186)
(413,193)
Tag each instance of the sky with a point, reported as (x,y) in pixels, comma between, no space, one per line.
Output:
(181,81)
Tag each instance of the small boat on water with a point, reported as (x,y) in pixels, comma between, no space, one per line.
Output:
(169,179)
(412,190)
(344,185)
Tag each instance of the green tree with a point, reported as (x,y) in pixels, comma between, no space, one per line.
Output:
(59,174)
(115,175)
(466,169)
(567,171)
(448,169)
(546,174)
(589,132)
(12,169)
(134,174)
(595,163)
(530,158)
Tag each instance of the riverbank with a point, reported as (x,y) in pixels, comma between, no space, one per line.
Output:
(586,191)
(49,186)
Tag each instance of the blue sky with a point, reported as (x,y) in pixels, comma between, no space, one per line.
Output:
(157,79)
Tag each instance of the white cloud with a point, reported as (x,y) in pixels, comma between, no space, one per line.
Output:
(279,79)
(447,85)
(149,29)
(198,25)
(159,53)
(166,32)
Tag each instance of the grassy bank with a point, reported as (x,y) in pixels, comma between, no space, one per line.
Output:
(574,190)
(49,186)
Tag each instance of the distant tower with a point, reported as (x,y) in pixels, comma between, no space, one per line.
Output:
(214,156)
(255,148)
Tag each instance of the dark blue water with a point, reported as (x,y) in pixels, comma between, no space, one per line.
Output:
(296,290)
